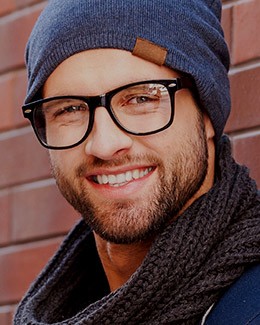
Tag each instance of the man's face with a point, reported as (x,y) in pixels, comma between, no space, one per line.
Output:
(128,187)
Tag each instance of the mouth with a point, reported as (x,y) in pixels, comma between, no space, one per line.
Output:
(117,180)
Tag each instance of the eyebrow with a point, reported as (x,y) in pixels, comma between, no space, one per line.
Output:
(61,92)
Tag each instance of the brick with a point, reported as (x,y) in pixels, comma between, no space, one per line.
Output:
(6,7)
(25,3)
(5,318)
(246,151)
(19,92)
(6,87)
(13,42)
(12,92)
(5,218)
(6,315)
(39,210)
(246,24)
(226,24)
(19,265)
(24,160)
(245,87)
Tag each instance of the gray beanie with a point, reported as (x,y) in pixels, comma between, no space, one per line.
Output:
(185,35)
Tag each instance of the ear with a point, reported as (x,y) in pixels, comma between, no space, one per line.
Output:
(210,132)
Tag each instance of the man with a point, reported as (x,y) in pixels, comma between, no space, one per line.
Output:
(131,99)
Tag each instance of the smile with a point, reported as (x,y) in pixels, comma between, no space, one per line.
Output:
(121,179)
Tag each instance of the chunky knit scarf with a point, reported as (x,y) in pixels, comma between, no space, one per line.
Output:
(186,270)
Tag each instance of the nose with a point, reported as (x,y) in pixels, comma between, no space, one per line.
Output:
(106,140)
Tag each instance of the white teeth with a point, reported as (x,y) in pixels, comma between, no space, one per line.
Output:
(121,179)
(128,176)
(111,179)
(104,179)
(136,174)
(99,179)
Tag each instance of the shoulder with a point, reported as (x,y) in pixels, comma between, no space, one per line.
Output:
(240,304)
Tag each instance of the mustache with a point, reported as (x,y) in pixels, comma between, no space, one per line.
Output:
(87,166)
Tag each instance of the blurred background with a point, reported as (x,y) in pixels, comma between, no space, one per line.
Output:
(33,216)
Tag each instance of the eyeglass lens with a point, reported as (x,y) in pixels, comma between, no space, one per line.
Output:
(141,108)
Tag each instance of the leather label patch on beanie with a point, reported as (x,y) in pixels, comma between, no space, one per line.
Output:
(149,51)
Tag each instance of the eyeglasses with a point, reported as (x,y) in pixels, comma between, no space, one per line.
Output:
(140,108)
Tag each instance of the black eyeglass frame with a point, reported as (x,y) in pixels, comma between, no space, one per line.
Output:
(104,100)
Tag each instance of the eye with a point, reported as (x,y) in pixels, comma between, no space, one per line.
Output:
(69,110)
(141,99)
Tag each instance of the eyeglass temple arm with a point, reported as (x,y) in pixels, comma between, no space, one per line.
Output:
(186,82)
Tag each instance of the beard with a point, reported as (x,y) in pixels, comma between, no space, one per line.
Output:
(130,221)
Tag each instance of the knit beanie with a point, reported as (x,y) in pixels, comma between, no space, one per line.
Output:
(184,35)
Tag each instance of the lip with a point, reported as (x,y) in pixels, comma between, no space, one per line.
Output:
(125,188)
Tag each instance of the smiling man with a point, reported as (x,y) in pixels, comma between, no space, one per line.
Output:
(131,99)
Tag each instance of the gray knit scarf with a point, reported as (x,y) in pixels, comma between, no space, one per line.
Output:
(186,270)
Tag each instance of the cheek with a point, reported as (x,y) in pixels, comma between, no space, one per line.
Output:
(55,157)
(64,160)
(186,108)
(162,145)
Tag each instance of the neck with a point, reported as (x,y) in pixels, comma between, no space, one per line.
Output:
(120,261)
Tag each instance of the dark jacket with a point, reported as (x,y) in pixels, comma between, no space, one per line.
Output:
(240,304)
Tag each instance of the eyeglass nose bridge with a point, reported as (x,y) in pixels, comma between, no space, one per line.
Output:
(103,100)
(95,102)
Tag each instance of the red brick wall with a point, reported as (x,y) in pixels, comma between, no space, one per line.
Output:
(241,22)
(34,217)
